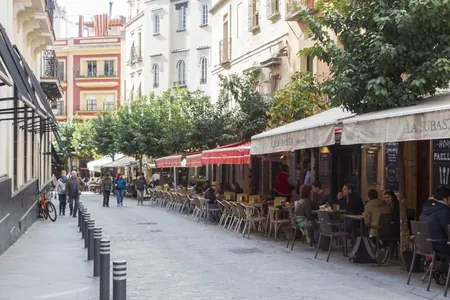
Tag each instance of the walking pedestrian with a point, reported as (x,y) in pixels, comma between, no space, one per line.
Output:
(61,190)
(73,191)
(121,186)
(141,183)
(106,187)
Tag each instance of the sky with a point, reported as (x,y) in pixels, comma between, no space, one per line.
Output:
(75,8)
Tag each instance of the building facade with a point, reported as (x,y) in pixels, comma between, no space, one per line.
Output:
(267,35)
(167,44)
(90,69)
(28,82)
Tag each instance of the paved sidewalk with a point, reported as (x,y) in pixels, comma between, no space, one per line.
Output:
(169,256)
(48,263)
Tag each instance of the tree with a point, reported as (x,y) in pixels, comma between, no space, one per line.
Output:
(65,131)
(82,140)
(250,117)
(389,54)
(300,98)
(105,139)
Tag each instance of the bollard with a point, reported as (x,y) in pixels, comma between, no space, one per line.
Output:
(87,217)
(105,252)
(90,240)
(82,220)
(80,210)
(120,280)
(97,238)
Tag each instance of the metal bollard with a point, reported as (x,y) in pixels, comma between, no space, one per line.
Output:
(80,211)
(82,220)
(105,253)
(97,238)
(90,240)
(120,280)
(87,217)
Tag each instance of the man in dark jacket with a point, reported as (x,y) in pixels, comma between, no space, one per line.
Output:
(436,214)
(73,192)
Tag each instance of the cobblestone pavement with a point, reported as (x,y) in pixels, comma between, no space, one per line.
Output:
(171,257)
(47,263)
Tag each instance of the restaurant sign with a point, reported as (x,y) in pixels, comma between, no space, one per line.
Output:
(441,162)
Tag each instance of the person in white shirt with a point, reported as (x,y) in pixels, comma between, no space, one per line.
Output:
(155,179)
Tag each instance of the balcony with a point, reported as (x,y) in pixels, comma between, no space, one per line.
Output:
(92,108)
(94,80)
(50,82)
(180,84)
(58,108)
(225,51)
(135,56)
(294,6)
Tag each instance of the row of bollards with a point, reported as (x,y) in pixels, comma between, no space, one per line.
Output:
(99,250)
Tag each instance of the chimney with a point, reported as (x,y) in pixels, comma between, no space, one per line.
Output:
(110,9)
(80,26)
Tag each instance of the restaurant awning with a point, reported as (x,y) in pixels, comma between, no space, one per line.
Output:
(233,154)
(315,131)
(169,161)
(96,165)
(194,160)
(121,162)
(55,157)
(428,119)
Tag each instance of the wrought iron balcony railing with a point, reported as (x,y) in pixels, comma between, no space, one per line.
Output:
(49,64)
(225,51)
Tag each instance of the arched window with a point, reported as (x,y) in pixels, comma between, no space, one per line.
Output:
(203,70)
(156,25)
(155,75)
(181,69)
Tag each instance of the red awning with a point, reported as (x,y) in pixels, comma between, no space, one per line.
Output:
(168,161)
(233,154)
(194,160)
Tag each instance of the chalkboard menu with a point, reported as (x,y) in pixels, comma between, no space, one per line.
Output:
(441,162)
(325,169)
(391,166)
(371,166)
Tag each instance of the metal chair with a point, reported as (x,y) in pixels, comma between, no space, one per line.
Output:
(327,230)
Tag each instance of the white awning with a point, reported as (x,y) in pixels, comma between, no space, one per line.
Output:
(121,162)
(311,132)
(428,119)
(95,165)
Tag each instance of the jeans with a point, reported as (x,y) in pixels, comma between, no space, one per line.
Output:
(62,203)
(119,196)
(106,195)
(140,195)
(74,206)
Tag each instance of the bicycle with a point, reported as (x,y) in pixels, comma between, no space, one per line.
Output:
(46,208)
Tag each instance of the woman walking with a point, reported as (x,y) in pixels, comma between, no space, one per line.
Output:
(120,185)
(61,191)
(106,187)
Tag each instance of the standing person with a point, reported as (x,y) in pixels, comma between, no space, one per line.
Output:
(106,187)
(121,186)
(155,179)
(61,190)
(284,184)
(73,191)
(141,183)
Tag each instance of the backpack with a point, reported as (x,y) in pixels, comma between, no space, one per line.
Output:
(362,251)
(140,184)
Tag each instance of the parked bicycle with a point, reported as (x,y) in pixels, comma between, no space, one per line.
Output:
(46,208)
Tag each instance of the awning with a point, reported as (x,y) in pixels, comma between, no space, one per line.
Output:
(194,161)
(121,162)
(315,131)
(169,161)
(96,165)
(233,154)
(55,158)
(428,119)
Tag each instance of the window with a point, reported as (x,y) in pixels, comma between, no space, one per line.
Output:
(204,15)
(155,75)
(139,48)
(309,64)
(60,107)
(253,15)
(109,68)
(61,71)
(92,68)
(156,24)
(108,102)
(91,103)
(182,18)
(181,68)
(273,8)
(204,70)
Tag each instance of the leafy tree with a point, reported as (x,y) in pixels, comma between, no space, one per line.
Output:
(82,140)
(105,139)
(65,131)
(299,99)
(250,117)
(389,54)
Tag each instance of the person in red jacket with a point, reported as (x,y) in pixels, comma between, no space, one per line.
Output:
(284,184)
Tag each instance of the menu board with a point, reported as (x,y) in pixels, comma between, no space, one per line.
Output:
(441,162)
(371,166)
(391,166)
(325,169)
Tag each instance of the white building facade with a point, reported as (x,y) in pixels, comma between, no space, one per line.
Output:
(168,44)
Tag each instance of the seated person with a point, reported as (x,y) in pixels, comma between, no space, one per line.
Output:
(210,194)
(350,200)
(237,188)
(220,193)
(303,212)
(318,197)
(436,214)
(372,212)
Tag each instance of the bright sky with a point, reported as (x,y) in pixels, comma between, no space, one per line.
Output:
(92,7)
